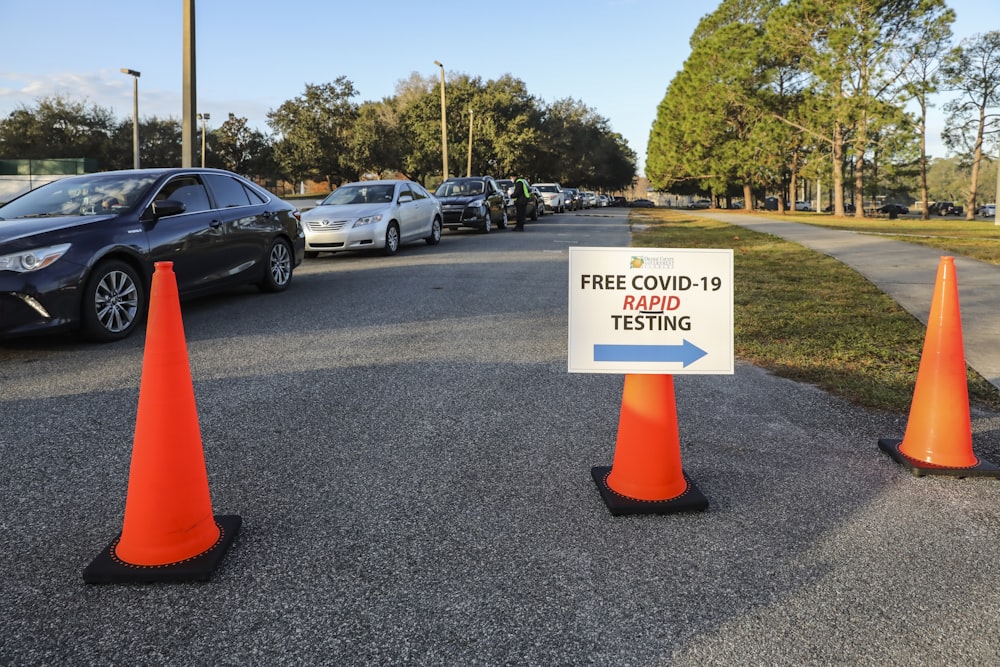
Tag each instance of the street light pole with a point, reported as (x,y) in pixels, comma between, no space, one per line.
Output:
(203,117)
(468,168)
(135,114)
(444,128)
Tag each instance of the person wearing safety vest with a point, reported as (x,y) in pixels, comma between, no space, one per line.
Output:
(522,195)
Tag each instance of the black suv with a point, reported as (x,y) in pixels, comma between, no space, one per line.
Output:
(473,201)
(944,208)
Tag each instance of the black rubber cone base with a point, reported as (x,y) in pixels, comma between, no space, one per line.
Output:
(921,468)
(691,500)
(107,568)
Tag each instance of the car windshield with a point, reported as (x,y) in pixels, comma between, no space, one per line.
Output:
(94,194)
(547,188)
(459,189)
(360,194)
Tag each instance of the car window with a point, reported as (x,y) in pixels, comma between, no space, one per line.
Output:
(380,194)
(189,190)
(227,190)
(255,197)
(404,189)
(418,192)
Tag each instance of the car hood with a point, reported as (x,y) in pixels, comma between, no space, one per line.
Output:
(463,199)
(343,211)
(18,229)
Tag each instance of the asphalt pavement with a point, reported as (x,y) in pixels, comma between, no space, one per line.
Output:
(411,462)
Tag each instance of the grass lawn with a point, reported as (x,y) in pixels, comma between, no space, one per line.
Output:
(806,316)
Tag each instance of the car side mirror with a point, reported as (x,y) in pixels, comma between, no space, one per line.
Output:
(167,207)
(405,198)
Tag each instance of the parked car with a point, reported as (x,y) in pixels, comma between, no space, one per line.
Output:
(945,208)
(618,200)
(507,187)
(700,204)
(78,254)
(848,208)
(589,199)
(572,199)
(536,207)
(893,209)
(372,215)
(642,203)
(555,199)
(473,201)
(803,206)
(988,210)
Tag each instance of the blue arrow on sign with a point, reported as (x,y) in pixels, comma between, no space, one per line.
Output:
(686,353)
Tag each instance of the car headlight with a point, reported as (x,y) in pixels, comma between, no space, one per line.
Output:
(477,203)
(368,220)
(32,260)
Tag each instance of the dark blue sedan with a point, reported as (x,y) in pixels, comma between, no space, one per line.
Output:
(78,253)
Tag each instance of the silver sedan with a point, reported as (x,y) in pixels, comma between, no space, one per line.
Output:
(372,215)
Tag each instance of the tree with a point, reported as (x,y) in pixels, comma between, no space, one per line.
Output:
(314,132)
(920,79)
(159,142)
(852,50)
(709,133)
(57,127)
(242,149)
(973,70)
(376,141)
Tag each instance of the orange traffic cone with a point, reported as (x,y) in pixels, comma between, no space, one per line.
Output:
(646,475)
(938,439)
(169,532)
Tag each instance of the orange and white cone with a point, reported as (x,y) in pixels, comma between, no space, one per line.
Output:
(646,475)
(938,439)
(169,531)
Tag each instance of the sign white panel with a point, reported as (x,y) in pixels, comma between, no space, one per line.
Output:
(651,310)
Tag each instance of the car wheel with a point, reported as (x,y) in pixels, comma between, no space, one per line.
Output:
(503,220)
(534,213)
(391,239)
(435,236)
(278,273)
(487,223)
(114,302)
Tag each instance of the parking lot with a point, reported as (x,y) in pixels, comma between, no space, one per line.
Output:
(411,462)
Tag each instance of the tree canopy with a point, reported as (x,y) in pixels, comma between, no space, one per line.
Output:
(327,134)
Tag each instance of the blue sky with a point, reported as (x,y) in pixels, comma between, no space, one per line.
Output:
(615,56)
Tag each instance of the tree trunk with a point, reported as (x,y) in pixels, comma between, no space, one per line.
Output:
(977,158)
(925,213)
(838,170)
(859,183)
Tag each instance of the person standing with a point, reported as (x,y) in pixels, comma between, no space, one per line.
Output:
(522,195)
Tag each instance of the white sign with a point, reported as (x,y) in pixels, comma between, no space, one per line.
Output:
(651,310)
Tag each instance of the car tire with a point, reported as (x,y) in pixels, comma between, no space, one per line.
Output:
(503,220)
(114,302)
(277,267)
(391,240)
(487,224)
(435,236)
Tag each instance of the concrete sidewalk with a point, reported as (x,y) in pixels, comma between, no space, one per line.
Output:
(906,272)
